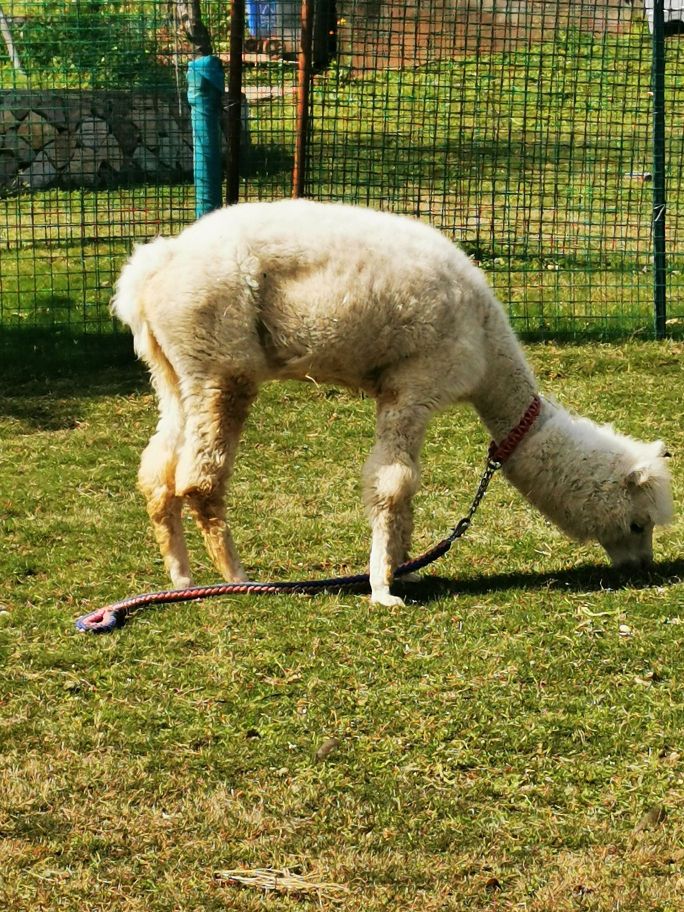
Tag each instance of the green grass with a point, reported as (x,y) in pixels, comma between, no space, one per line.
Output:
(65,249)
(500,738)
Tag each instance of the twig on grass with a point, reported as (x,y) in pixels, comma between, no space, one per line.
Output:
(281,881)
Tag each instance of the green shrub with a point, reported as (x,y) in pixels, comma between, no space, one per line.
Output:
(94,44)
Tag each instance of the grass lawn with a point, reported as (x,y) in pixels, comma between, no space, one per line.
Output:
(511,740)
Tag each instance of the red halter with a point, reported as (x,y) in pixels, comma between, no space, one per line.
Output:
(502,451)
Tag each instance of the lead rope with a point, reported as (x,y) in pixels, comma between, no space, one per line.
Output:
(111,616)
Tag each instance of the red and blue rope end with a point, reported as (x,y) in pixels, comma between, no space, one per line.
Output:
(104,620)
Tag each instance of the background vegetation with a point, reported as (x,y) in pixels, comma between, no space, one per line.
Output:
(537,159)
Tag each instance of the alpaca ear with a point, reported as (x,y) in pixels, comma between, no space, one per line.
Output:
(638,477)
(663,451)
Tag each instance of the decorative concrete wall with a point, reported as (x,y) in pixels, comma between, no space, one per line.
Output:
(91,139)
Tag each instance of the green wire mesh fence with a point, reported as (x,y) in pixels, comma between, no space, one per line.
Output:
(525,130)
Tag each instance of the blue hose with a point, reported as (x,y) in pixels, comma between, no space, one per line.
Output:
(205,93)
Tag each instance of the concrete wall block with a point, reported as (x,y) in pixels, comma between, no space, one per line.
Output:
(51,106)
(7,122)
(147,160)
(15,144)
(60,151)
(147,124)
(112,153)
(9,167)
(84,165)
(36,130)
(40,174)
(185,156)
(92,133)
(89,138)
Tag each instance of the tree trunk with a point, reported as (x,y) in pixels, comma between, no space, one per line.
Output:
(6,33)
(189,17)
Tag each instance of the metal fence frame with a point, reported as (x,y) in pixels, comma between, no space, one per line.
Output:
(298,87)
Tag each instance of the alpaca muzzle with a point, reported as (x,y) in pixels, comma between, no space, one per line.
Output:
(635,552)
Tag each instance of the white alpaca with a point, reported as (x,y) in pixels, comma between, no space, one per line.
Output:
(376,302)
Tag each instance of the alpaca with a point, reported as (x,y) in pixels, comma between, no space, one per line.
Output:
(380,303)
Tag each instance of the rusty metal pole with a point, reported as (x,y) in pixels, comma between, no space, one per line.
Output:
(303,85)
(237,38)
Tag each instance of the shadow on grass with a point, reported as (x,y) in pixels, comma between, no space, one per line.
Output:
(45,375)
(41,416)
(37,353)
(584,578)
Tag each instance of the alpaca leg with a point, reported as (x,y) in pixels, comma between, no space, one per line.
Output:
(391,478)
(405,528)
(211,440)
(157,481)
(210,515)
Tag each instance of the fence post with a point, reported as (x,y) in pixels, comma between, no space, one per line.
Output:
(659,193)
(205,96)
(237,38)
(303,85)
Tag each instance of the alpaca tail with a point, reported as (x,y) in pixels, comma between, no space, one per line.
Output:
(128,304)
(128,301)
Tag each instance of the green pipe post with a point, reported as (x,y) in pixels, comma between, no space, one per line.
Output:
(659,191)
(205,94)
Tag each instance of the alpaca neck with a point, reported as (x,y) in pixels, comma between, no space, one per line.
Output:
(508,384)
(547,465)
(564,467)
(502,398)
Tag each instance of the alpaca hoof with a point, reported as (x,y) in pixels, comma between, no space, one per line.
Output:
(387,600)
(236,576)
(182,582)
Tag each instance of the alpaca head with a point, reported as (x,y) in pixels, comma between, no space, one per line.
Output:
(597,485)
(643,499)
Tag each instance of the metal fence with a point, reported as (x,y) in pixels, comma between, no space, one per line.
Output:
(525,130)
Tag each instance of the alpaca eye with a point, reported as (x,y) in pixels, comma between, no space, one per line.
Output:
(636,529)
